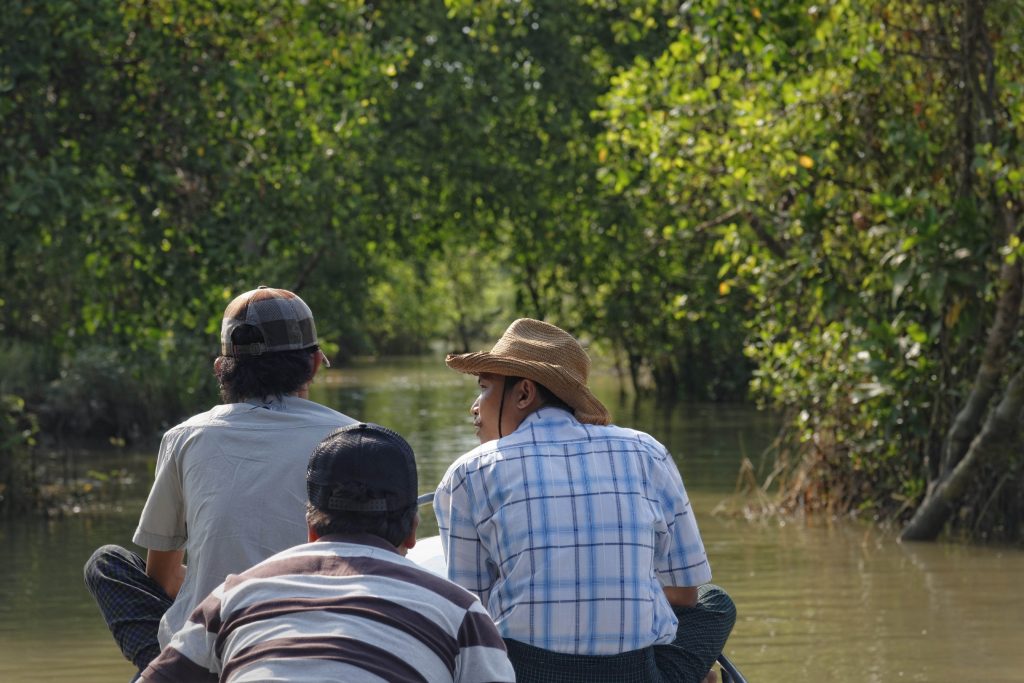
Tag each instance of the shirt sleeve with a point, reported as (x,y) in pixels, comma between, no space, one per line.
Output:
(468,562)
(680,558)
(191,655)
(162,525)
(482,655)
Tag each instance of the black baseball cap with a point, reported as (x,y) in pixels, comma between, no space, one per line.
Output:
(362,456)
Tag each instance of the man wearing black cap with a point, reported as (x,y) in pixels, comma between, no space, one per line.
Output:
(347,606)
(229,486)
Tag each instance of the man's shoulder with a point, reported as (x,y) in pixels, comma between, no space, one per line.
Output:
(292,408)
(202,419)
(346,557)
(590,438)
(622,433)
(482,456)
(559,427)
(316,410)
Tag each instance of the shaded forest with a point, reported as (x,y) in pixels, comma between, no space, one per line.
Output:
(815,206)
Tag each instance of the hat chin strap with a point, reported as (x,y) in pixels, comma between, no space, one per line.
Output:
(501,406)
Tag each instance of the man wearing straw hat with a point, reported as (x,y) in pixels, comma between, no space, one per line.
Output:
(577,535)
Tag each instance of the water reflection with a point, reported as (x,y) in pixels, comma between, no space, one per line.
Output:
(846,602)
(816,602)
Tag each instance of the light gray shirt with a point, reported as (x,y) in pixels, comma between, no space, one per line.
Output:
(230,490)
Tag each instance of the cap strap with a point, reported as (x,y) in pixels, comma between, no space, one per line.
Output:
(340,503)
(254,349)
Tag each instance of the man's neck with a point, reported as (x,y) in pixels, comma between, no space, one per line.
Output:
(371,540)
(302,393)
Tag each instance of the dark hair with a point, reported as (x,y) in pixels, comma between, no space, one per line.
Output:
(393,527)
(263,376)
(547,397)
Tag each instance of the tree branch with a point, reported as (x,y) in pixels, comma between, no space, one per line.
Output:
(1000,428)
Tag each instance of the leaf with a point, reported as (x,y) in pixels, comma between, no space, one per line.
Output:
(935,289)
(917,333)
(868,390)
(900,281)
(953,313)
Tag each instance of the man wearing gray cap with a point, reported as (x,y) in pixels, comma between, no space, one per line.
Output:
(347,606)
(229,488)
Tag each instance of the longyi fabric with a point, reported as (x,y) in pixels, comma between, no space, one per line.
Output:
(685,660)
(131,602)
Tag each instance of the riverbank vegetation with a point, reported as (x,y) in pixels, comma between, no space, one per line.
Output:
(815,205)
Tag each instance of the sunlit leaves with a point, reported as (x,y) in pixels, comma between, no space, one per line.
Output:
(828,133)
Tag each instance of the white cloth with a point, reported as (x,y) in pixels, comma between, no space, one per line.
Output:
(230,489)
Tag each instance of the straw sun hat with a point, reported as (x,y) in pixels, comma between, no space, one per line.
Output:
(546,354)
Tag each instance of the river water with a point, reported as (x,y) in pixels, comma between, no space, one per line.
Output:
(817,600)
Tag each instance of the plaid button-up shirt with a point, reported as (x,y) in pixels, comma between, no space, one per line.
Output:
(568,532)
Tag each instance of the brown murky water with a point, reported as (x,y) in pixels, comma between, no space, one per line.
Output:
(836,602)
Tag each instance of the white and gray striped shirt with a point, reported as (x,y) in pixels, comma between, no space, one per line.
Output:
(343,608)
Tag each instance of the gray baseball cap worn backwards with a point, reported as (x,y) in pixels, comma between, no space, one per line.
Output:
(364,457)
(283,319)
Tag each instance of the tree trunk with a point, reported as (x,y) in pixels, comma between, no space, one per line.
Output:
(968,420)
(978,72)
(999,431)
(973,438)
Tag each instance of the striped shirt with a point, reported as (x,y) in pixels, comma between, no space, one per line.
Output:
(345,608)
(568,532)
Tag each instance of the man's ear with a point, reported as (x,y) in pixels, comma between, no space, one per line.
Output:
(311,534)
(527,396)
(218,363)
(410,541)
(316,359)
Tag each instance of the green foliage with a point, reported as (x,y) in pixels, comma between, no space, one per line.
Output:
(163,157)
(18,429)
(809,200)
(828,158)
(107,392)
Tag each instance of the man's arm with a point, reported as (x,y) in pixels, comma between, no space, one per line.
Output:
(191,654)
(468,563)
(680,558)
(165,567)
(482,656)
(681,597)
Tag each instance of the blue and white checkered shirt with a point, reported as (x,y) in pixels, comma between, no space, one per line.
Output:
(568,532)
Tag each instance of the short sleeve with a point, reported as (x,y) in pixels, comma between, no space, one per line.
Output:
(162,525)
(192,653)
(482,654)
(680,558)
(468,563)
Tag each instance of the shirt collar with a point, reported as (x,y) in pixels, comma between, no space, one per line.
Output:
(269,402)
(359,539)
(548,414)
